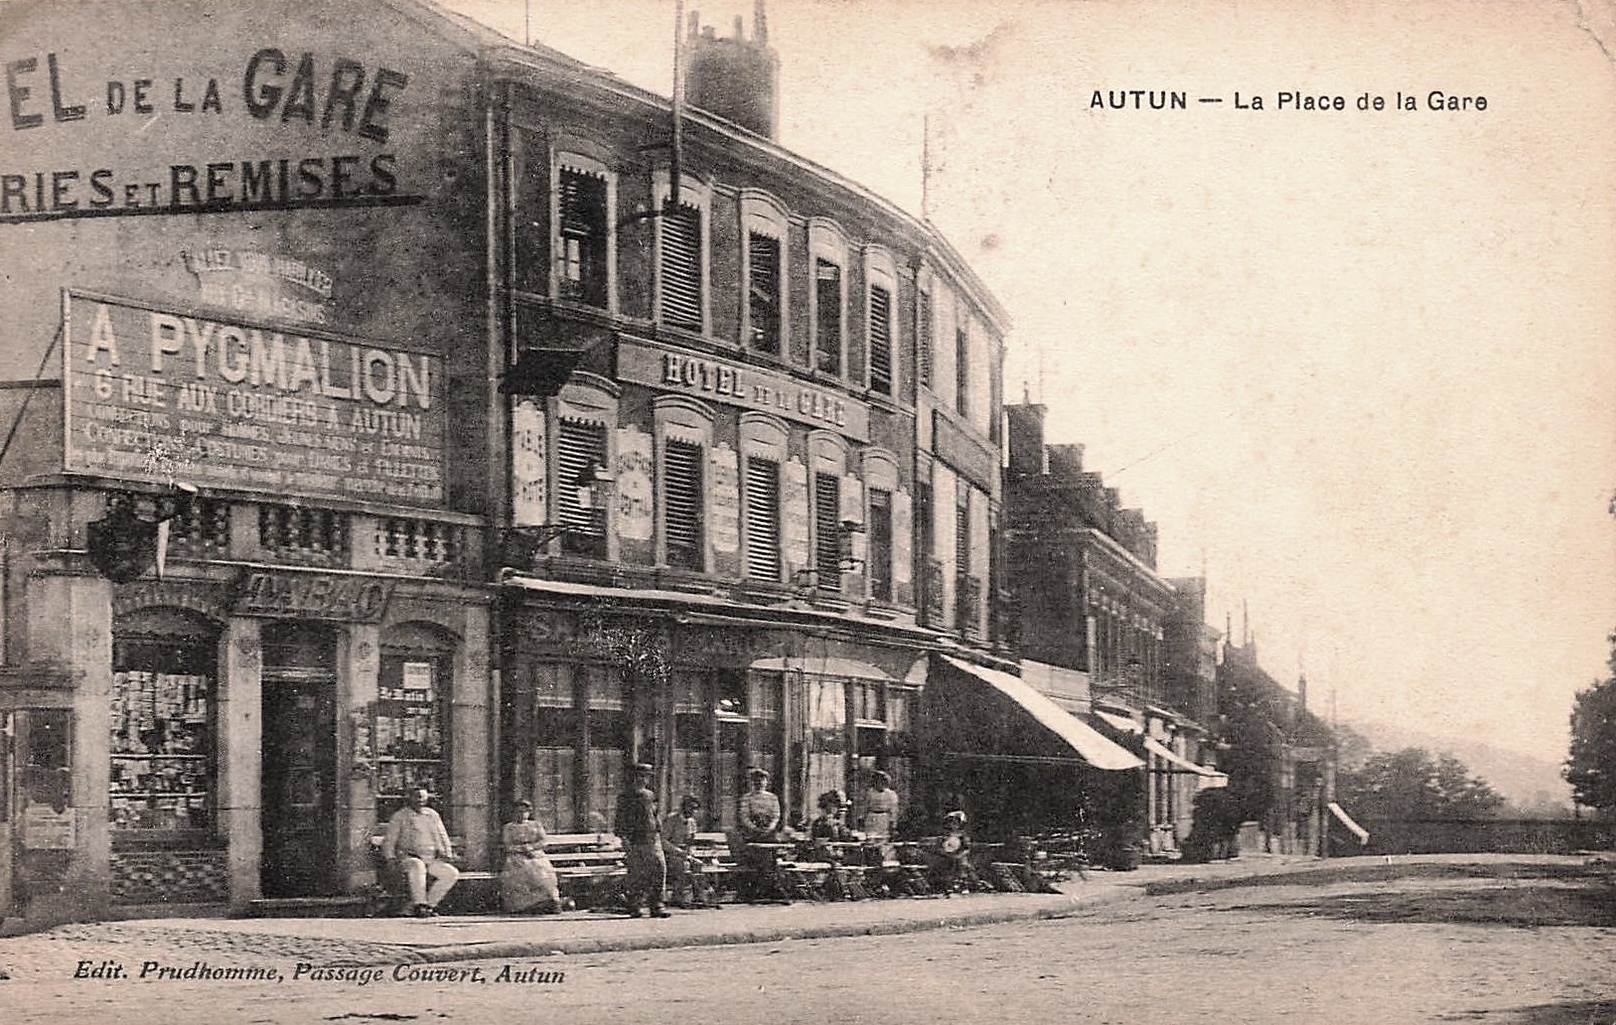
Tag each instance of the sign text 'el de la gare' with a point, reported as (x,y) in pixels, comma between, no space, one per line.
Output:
(162,396)
(346,98)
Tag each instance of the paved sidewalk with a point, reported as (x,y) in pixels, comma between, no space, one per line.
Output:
(371,941)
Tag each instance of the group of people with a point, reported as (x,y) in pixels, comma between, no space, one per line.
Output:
(657,853)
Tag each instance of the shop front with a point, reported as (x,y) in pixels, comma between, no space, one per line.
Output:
(593,687)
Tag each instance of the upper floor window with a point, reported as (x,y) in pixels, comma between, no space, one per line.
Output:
(880,549)
(827,530)
(765,228)
(879,272)
(582,225)
(764,308)
(580,447)
(682,256)
(828,294)
(683,494)
(828,317)
(962,368)
(763,456)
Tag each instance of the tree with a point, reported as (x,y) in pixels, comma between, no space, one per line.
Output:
(1591,769)
(1412,784)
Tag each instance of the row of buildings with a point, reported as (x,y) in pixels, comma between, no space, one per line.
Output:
(391,404)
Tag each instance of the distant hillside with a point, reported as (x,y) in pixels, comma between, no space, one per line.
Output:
(1522,779)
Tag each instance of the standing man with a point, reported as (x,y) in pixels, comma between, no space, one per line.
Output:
(418,846)
(636,826)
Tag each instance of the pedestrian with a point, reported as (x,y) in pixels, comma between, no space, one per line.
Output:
(418,846)
(684,870)
(880,808)
(527,880)
(636,826)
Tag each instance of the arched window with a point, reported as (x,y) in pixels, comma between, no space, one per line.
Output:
(763,459)
(827,295)
(684,437)
(764,313)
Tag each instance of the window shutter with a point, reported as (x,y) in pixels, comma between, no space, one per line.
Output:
(762,519)
(682,498)
(763,276)
(581,261)
(880,340)
(827,537)
(578,445)
(880,553)
(962,540)
(681,267)
(828,316)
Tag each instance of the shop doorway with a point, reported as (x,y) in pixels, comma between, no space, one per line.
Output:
(299,781)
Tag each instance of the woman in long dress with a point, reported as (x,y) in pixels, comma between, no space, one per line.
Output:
(880,808)
(527,882)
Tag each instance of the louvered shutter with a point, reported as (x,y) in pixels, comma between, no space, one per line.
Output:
(681,268)
(880,340)
(581,263)
(762,519)
(827,538)
(763,276)
(962,540)
(682,504)
(579,445)
(880,553)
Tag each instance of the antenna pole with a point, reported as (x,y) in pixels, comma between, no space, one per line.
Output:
(678,105)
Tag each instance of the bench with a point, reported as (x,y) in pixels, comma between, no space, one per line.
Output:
(589,867)
(474,891)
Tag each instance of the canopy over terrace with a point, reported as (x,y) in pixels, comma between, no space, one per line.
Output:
(1007,755)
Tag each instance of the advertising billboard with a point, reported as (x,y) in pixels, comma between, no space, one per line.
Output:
(166,396)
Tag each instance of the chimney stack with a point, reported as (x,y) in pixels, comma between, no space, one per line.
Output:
(738,78)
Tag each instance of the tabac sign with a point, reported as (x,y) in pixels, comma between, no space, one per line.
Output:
(158,395)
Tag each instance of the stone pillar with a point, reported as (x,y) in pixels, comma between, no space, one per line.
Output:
(471,720)
(241,733)
(358,668)
(70,624)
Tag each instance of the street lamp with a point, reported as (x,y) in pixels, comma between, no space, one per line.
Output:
(592,489)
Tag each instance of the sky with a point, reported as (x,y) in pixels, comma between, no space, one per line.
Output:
(1357,365)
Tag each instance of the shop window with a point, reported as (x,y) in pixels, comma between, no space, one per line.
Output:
(765,727)
(557,736)
(827,317)
(764,308)
(880,340)
(162,775)
(582,222)
(411,728)
(608,734)
(692,738)
(827,531)
(682,302)
(762,518)
(683,495)
(880,547)
(580,448)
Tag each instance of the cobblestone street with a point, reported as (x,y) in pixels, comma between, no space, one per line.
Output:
(1506,945)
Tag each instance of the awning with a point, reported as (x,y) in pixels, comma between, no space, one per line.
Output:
(1346,820)
(1164,752)
(817,666)
(1119,722)
(1083,739)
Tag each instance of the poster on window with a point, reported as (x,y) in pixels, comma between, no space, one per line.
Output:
(418,677)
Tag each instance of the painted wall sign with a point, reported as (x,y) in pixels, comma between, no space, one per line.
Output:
(350,100)
(46,829)
(253,284)
(725,500)
(632,488)
(748,387)
(161,396)
(530,461)
(287,594)
(794,515)
(973,460)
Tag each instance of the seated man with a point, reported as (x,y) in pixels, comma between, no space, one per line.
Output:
(684,870)
(418,846)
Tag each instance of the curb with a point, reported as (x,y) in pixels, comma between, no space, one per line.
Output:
(498,950)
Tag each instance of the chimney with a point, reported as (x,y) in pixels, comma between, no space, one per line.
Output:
(737,78)
(1301,691)
(1026,434)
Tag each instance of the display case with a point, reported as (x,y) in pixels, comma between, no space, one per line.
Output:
(161,763)
(410,729)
